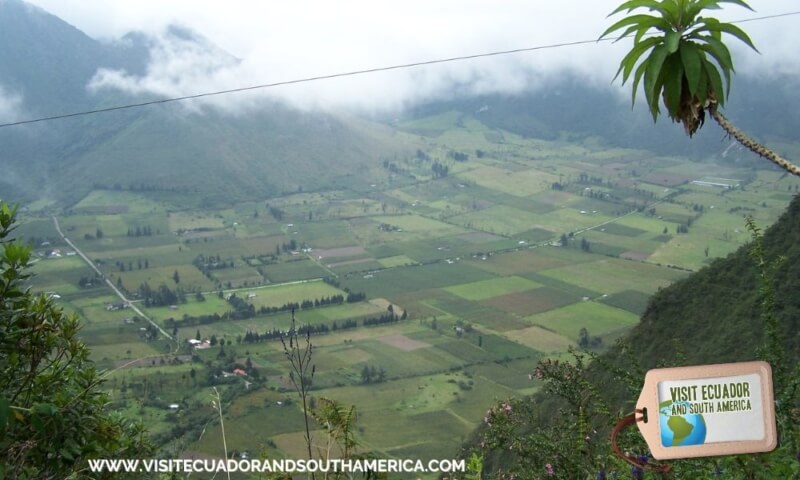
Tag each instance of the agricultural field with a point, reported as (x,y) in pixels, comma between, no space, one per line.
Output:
(429,296)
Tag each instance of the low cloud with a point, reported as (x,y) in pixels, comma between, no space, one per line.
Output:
(283,41)
(10,105)
(179,62)
(181,66)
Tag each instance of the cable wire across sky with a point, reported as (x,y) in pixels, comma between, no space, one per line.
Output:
(342,74)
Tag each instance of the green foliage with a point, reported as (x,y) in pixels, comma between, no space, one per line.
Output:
(340,424)
(686,59)
(53,415)
(474,466)
(571,444)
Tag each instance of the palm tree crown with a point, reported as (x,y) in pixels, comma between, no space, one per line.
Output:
(687,65)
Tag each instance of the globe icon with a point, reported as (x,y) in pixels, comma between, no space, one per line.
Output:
(680,430)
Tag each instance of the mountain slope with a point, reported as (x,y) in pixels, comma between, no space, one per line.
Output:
(48,64)
(714,314)
(46,60)
(765,107)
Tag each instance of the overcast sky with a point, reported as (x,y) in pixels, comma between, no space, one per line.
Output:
(284,40)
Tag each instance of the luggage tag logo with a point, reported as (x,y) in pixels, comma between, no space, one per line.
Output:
(708,410)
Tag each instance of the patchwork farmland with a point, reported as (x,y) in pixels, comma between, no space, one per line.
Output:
(428,296)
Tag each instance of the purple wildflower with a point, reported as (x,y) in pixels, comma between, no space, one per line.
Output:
(637,473)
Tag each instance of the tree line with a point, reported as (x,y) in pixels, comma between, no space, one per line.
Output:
(141,264)
(243,310)
(139,231)
(322,328)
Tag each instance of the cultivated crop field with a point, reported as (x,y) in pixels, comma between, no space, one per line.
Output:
(429,296)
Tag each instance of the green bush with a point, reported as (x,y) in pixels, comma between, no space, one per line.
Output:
(53,413)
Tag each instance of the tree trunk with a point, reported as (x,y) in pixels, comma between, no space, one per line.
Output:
(751,144)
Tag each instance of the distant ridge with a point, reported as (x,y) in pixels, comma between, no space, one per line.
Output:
(47,64)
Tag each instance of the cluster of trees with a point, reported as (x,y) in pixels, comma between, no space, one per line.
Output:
(355,297)
(392,167)
(98,234)
(139,231)
(266,259)
(160,297)
(87,281)
(276,212)
(439,170)
(388,227)
(684,227)
(370,374)
(644,193)
(587,341)
(564,241)
(241,308)
(204,263)
(291,246)
(150,332)
(458,156)
(586,178)
(741,209)
(598,195)
(140,264)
